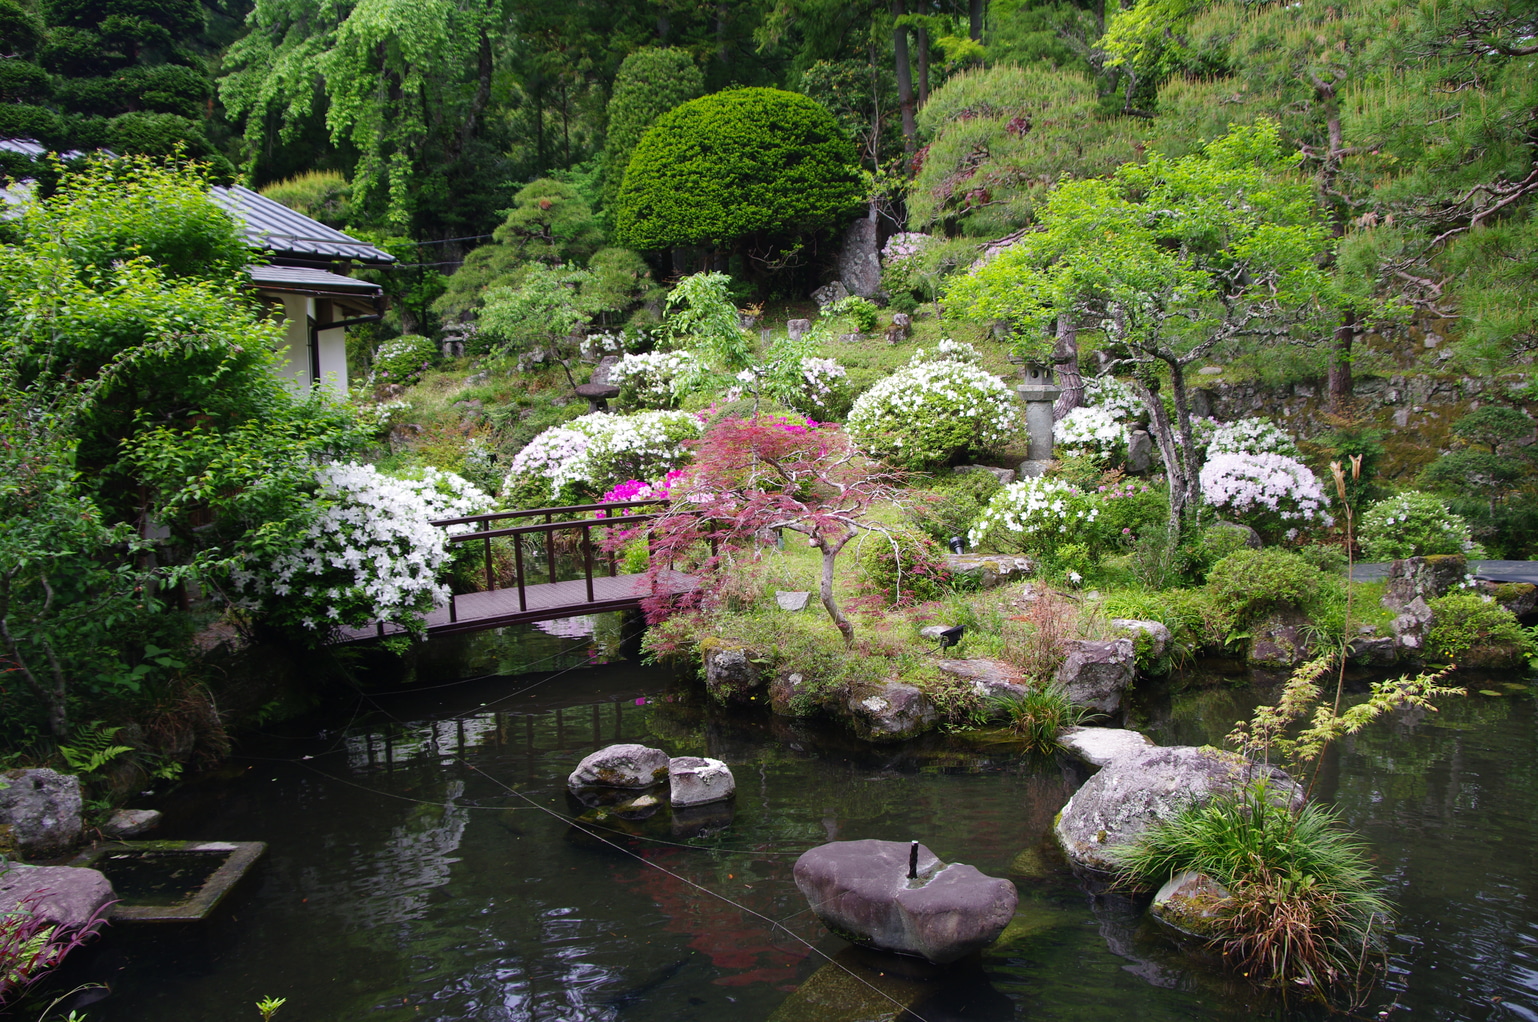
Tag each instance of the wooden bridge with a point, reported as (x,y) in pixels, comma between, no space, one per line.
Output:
(537,590)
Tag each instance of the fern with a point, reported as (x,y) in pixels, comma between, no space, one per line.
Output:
(93,748)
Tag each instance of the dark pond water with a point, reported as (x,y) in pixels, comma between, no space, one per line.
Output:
(421,867)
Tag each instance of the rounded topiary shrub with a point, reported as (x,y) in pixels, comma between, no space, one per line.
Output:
(1036,516)
(403,359)
(930,413)
(1247,583)
(734,163)
(1411,524)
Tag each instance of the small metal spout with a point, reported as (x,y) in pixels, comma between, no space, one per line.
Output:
(913,861)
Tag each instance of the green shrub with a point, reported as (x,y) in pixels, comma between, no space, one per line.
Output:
(1217,542)
(1247,583)
(734,163)
(1193,616)
(904,568)
(1128,509)
(650,82)
(861,312)
(1303,910)
(952,503)
(404,359)
(1468,629)
(1411,524)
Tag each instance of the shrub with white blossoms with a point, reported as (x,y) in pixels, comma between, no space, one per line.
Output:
(588,455)
(369,554)
(403,359)
(1087,432)
(900,247)
(929,412)
(447,495)
(658,379)
(1114,396)
(1412,524)
(1273,493)
(948,350)
(1250,436)
(1035,516)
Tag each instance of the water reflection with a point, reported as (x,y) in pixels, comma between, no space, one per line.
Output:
(414,870)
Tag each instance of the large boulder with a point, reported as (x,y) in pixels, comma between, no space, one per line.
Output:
(69,897)
(1095,673)
(1423,578)
(859,261)
(731,676)
(861,891)
(1154,636)
(696,780)
(620,766)
(993,681)
(1118,803)
(41,808)
(1280,639)
(1412,625)
(989,570)
(890,712)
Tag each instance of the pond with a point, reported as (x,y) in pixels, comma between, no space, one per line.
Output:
(421,866)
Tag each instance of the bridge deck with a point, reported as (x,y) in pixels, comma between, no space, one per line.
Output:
(543,602)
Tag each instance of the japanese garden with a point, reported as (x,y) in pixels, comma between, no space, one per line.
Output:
(773,509)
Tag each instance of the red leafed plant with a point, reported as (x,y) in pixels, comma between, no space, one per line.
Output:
(30,946)
(753,477)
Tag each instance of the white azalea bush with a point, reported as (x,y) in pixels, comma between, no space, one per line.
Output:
(368,553)
(1412,524)
(403,359)
(1093,433)
(1036,516)
(1274,494)
(1250,436)
(929,412)
(658,379)
(584,457)
(1116,397)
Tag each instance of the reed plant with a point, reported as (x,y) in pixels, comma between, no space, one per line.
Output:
(1040,715)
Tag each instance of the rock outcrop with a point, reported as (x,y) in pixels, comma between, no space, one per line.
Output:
(1114,806)
(1102,746)
(731,676)
(890,712)
(861,891)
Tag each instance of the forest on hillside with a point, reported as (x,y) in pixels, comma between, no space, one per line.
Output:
(422,124)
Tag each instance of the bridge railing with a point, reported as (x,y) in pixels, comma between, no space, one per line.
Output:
(556,520)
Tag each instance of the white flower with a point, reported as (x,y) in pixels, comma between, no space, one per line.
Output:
(1250,484)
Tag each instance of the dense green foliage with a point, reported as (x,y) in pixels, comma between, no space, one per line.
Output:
(747,162)
(650,82)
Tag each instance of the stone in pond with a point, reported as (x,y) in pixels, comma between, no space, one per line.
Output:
(69,897)
(620,766)
(890,711)
(1192,904)
(696,780)
(131,822)
(1118,803)
(1095,674)
(42,809)
(861,891)
(1102,746)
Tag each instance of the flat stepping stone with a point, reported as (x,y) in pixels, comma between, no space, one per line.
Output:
(1102,746)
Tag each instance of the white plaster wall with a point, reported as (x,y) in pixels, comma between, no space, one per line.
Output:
(333,360)
(298,309)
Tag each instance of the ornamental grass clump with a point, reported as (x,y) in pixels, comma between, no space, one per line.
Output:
(1412,524)
(934,411)
(1274,494)
(1040,714)
(587,455)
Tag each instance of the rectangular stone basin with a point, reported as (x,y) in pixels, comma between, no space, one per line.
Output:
(170,881)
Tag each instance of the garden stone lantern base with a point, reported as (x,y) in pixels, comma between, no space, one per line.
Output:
(1039,392)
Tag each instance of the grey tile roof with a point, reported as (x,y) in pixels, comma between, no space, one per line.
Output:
(302,278)
(283,232)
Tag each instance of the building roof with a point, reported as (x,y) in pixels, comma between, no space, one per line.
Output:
(304,278)
(285,233)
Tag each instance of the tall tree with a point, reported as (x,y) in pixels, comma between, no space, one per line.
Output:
(650,83)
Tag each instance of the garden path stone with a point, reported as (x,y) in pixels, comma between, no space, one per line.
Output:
(1096,673)
(1125,796)
(627,765)
(861,891)
(697,780)
(1102,746)
(42,809)
(69,897)
(791,601)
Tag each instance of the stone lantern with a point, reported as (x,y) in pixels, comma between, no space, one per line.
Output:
(1039,392)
